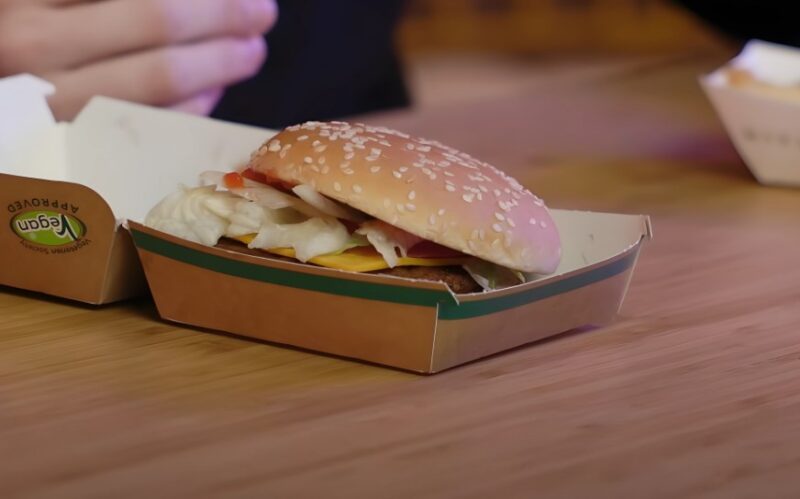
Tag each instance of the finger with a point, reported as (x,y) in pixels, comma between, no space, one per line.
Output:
(39,3)
(201,104)
(160,77)
(52,39)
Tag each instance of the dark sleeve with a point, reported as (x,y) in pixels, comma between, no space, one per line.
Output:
(327,59)
(769,20)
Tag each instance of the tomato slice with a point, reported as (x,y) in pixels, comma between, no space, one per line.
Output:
(253,175)
(233,180)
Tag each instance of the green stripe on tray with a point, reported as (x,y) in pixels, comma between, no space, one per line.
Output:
(299,280)
(448,309)
(501,303)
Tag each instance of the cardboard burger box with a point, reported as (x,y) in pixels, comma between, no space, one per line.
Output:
(101,173)
(757,97)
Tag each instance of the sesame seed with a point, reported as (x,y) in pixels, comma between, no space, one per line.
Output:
(400,208)
(302,138)
(375,151)
(348,171)
(316,143)
(450,188)
(337,186)
(357,188)
(412,195)
(320,148)
(543,224)
(397,174)
(468,197)
(432,219)
(441,212)
(481,234)
(349,155)
(315,168)
(538,202)
(411,207)
(532,221)
(307,160)
(449,174)
(424,148)
(410,146)
(374,169)
(497,228)
(511,223)
(403,169)
(274,146)
(499,216)
(496,192)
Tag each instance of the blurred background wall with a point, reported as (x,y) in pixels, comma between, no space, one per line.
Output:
(561,27)
(462,50)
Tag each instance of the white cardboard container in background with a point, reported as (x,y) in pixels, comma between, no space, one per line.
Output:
(765,129)
(116,160)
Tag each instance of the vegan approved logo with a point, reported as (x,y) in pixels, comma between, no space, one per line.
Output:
(48,228)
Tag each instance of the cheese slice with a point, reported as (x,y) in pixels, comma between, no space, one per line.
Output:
(360,259)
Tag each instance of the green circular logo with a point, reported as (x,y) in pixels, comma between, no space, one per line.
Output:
(48,228)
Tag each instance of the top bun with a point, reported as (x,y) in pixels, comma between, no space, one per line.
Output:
(420,186)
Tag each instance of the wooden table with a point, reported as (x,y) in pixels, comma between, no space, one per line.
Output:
(693,392)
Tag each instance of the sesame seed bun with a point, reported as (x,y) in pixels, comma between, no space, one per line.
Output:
(420,186)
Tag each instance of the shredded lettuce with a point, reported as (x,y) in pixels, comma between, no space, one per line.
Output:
(388,240)
(327,205)
(314,237)
(198,215)
(262,194)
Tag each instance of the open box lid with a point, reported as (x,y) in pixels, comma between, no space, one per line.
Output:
(131,155)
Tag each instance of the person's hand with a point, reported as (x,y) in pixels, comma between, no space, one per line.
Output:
(176,53)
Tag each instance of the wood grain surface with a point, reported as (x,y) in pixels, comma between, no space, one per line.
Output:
(693,392)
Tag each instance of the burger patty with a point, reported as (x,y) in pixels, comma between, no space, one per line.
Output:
(456,278)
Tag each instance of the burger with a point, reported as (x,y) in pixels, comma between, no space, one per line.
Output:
(360,198)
